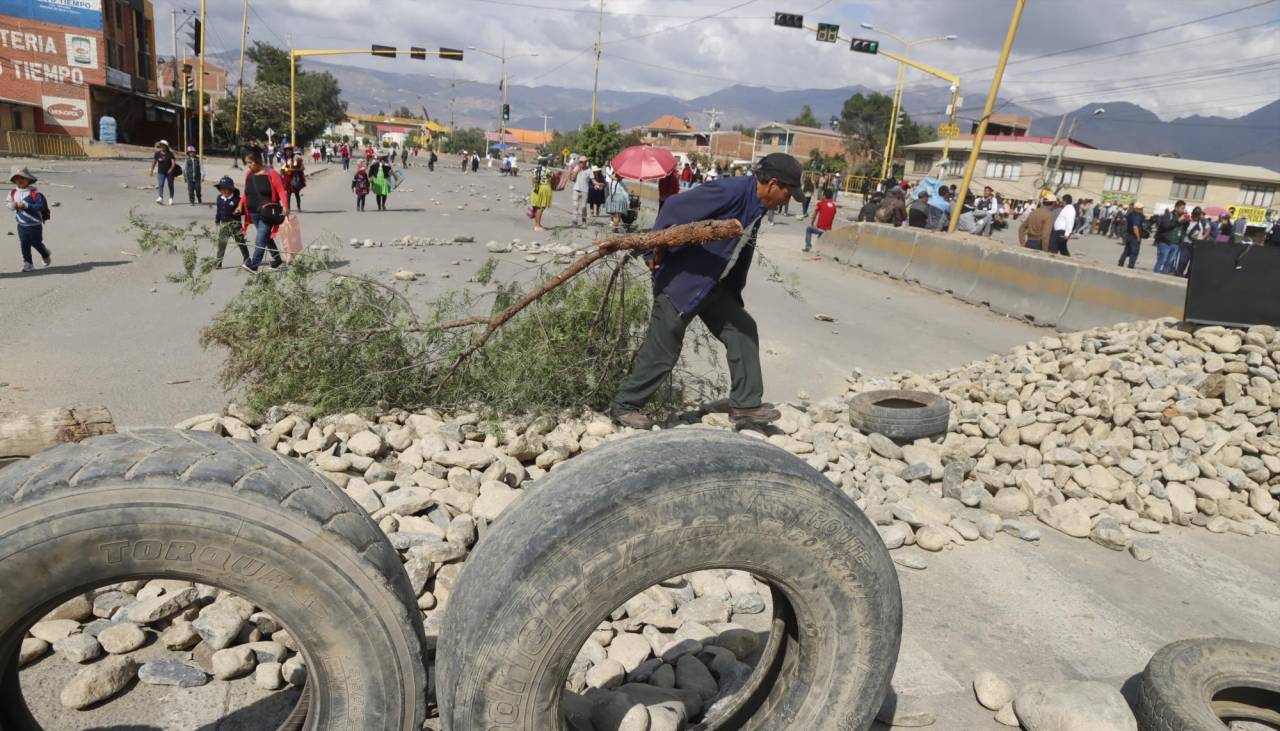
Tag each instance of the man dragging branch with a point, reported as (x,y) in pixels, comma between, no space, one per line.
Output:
(707,282)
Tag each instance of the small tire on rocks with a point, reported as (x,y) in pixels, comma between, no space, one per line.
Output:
(1203,684)
(624,516)
(195,506)
(903,416)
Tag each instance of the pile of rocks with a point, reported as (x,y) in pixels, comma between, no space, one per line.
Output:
(1106,435)
(107,630)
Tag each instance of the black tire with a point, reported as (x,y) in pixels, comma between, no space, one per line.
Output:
(1199,685)
(195,506)
(900,415)
(639,510)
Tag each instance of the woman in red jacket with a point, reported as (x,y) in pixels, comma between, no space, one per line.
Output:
(264,195)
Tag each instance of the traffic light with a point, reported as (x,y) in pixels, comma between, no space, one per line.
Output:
(506,112)
(863,45)
(386,51)
(451,54)
(196,36)
(190,85)
(419,54)
(788,20)
(828,33)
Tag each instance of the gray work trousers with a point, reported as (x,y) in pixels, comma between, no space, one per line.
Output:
(728,320)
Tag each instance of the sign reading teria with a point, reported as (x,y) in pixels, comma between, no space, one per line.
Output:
(51,53)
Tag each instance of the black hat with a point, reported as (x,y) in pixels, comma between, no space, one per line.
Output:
(225,182)
(786,169)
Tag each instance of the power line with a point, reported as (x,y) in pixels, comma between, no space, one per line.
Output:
(611,13)
(682,25)
(1128,37)
(272,31)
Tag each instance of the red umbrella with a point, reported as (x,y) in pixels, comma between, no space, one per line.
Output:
(1215,211)
(643,162)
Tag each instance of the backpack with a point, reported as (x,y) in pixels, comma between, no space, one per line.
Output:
(45,215)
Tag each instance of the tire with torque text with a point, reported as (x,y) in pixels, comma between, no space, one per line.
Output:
(192,505)
(636,511)
(1201,684)
(900,415)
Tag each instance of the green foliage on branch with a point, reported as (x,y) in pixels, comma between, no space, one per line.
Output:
(266,103)
(600,142)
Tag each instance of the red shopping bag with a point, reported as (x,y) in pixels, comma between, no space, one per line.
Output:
(289,238)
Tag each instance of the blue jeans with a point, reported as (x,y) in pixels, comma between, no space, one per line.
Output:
(1166,257)
(263,242)
(32,237)
(346,163)
(809,231)
(160,180)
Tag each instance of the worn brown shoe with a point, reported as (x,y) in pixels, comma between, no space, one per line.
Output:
(762,414)
(632,419)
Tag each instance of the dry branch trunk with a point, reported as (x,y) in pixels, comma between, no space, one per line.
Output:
(22,435)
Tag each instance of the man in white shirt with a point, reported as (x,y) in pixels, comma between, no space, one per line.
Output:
(581,186)
(1063,226)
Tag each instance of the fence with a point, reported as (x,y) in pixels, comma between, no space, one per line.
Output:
(44,145)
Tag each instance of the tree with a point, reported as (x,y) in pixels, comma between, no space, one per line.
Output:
(632,138)
(805,119)
(826,163)
(600,142)
(272,63)
(561,141)
(865,122)
(470,139)
(404,112)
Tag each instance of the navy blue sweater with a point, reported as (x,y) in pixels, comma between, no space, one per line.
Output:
(689,273)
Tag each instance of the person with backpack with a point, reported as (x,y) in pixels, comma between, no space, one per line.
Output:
(1134,232)
(31,209)
(227,220)
(1168,232)
(360,186)
(265,206)
(193,171)
(295,178)
(1197,229)
(164,165)
(344,153)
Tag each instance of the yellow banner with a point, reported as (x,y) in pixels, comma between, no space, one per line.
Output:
(1255,215)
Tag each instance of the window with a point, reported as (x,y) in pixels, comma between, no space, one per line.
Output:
(1122,181)
(1188,189)
(1257,195)
(17,119)
(953,167)
(923,164)
(1068,176)
(1004,168)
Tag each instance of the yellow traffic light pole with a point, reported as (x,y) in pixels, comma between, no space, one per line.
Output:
(200,93)
(297,53)
(958,204)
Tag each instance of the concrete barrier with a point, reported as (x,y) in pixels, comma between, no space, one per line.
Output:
(946,265)
(1068,294)
(1024,285)
(1100,295)
(885,249)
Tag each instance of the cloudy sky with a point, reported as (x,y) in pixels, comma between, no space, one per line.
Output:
(1065,55)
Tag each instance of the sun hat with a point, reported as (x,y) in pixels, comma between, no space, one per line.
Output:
(1138,204)
(21,171)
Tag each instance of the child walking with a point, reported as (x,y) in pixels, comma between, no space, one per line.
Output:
(228,221)
(31,209)
(193,171)
(360,186)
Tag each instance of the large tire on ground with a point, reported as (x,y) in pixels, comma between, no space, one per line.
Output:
(631,513)
(903,416)
(1202,684)
(195,506)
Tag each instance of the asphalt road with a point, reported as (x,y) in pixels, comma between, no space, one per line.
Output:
(103,326)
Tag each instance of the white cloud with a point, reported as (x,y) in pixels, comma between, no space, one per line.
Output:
(742,45)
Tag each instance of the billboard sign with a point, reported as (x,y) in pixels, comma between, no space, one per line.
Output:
(85,14)
(67,111)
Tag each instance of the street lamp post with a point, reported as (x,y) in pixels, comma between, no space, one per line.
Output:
(502,83)
(886,165)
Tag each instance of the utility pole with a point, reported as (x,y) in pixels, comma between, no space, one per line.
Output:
(595,88)
(986,114)
(713,123)
(244,35)
(502,104)
(545,117)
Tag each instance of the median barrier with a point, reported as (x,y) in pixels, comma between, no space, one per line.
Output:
(1107,296)
(1030,286)
(884,249)
(839,244)
(946,264)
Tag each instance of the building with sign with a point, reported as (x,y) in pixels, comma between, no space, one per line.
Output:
(173,75)
(67,63)
(1015,169)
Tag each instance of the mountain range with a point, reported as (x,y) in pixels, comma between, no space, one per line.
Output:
(1252,139)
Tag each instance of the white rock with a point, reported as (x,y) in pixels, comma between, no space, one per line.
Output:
(991,690)
(1073,706)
